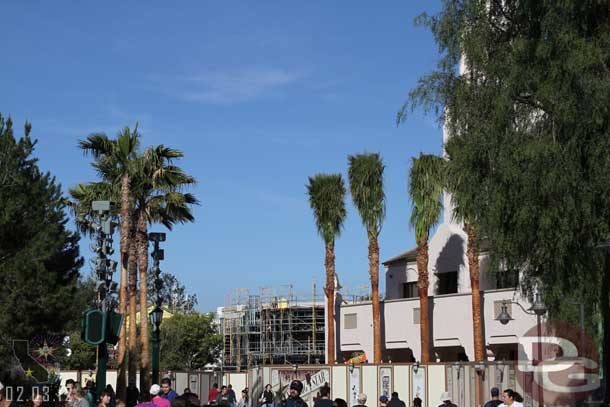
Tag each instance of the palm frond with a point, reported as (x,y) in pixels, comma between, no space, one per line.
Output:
(327,200)
(365,175)
(426,183)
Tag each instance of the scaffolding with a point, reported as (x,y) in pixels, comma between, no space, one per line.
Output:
(274,326)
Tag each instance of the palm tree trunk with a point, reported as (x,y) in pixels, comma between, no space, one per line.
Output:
(121,385)
(473,266)
(133,333)
(374,273)
(330,300)
(422,284)
(142,243)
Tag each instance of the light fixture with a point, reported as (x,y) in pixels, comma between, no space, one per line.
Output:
(351,368)
(504,317)
(416,367)
(538,306)
(156,317)
(295,368)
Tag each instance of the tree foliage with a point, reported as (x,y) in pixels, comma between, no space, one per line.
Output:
(529,118)
(39,256)
(426,183)
(174,294)
(189,341)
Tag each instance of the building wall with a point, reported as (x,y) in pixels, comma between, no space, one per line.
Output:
(451,323)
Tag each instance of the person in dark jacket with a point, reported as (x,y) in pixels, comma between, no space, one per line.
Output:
(324,400)
(361,400)
(395,401)
(294,399)
(266,399)
(224,398)
(495,398)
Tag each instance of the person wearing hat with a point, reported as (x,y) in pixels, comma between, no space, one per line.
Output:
(495,398)
(446,399)
(294,397)
(383,401)
(157,400)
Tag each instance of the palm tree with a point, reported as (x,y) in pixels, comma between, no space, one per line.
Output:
(366,185)
(327,199)
(114,161)
(156,189)
(425,191)
(461,213)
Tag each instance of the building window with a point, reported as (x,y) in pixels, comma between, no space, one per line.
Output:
(416,316)
(447,282)
(409,290)
(351,321)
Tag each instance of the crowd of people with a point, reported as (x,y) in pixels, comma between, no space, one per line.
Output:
(164,396)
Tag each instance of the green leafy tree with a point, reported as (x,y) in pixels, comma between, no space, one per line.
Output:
(39,256)
(426,183)
(174,295)
(365,175)
(189,341)
(327,200)
(529,119)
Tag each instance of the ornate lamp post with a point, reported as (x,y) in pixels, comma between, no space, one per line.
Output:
(156,315)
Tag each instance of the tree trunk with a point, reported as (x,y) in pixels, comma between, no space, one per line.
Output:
(329,262)
(374,273)
(142,243)
(422,288)
(133,332)
(473,267)
(121,385)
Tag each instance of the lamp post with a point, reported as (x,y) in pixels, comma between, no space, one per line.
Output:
(156,315)
(539,309)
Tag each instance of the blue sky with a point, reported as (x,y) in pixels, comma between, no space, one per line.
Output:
(259,96)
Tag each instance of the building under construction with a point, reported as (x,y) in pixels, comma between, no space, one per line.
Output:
(272,326)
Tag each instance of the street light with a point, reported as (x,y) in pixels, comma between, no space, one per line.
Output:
(156,315)
(538,308)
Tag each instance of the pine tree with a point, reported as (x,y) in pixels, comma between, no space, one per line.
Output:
(39,256)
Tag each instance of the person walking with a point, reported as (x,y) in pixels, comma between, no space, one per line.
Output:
(266,399)
(213,394)
(224,399)
(446,400)
(166,390)
(245,399)
(495,398)
(360,400)
(294,398)
(157,400)
(395,401)
(324,399)
(511,398)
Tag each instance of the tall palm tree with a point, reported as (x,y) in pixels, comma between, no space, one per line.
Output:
(114,160)
(425,190)
(158,198)
(366,185)
(327,199)
(461,213)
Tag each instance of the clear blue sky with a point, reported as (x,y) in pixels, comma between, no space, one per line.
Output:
(259,96)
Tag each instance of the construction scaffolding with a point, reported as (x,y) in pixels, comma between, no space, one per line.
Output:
(274,326)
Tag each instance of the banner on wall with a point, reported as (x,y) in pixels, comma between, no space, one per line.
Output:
(354,386)
(312,379)
(419,384)
(386,381)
